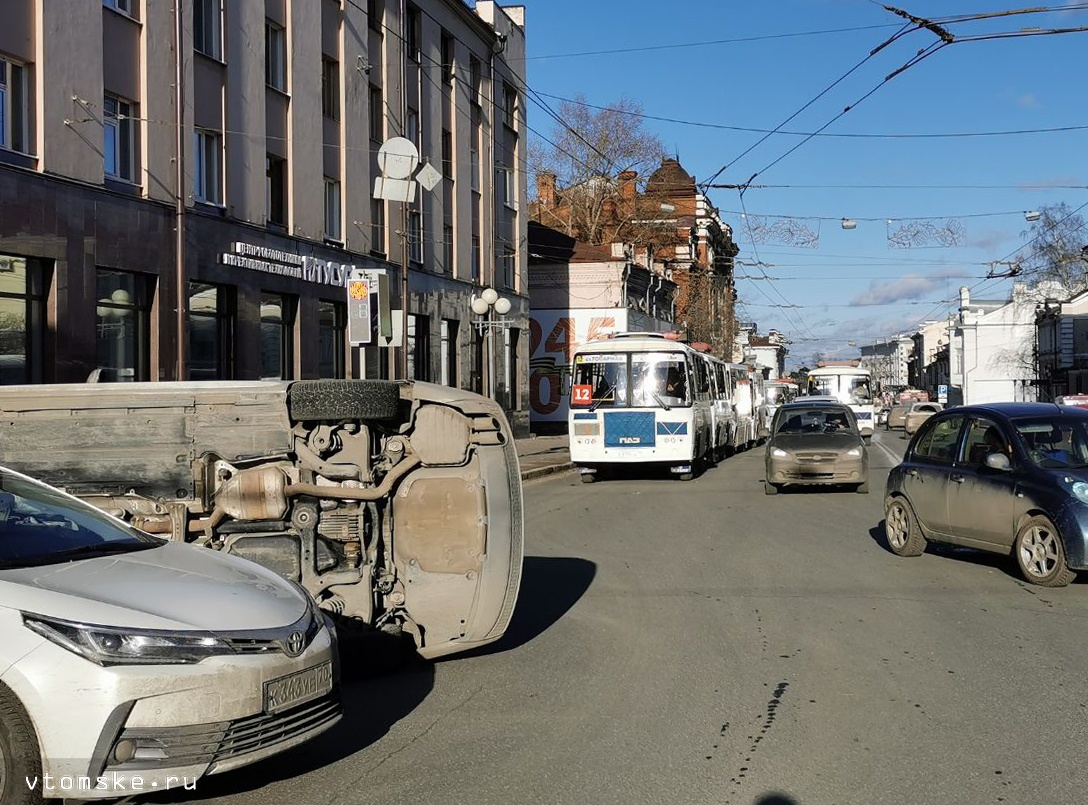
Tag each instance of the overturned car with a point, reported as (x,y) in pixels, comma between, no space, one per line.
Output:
(397,505)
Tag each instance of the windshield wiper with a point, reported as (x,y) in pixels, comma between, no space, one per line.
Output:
(601,398)
(102,549)
(661,402)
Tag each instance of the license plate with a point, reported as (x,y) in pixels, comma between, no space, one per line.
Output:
(298,688)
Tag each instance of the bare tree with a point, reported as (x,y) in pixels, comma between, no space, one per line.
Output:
(586,152)
(1056,251)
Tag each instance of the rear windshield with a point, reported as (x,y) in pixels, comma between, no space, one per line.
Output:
(817,420)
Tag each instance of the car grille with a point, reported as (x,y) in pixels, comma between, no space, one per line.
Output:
(171,747)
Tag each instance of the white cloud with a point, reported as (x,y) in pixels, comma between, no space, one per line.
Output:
(906,288)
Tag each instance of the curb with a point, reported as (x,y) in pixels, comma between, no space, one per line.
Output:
(541,472)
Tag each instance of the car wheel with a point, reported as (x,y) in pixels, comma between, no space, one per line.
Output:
(769,488)
(902,529)
(310,400)
(588,477)
(20,759)
(1041,555)
(863,489)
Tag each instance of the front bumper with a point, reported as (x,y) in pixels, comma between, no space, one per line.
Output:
(171,724)
(794,471)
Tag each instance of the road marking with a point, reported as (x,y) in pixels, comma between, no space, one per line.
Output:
(896,460)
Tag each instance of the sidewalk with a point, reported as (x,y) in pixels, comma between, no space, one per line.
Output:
(543,455)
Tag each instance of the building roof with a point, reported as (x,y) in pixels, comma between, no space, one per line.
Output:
(670,178)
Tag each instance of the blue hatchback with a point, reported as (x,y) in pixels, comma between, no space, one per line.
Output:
(1005,478)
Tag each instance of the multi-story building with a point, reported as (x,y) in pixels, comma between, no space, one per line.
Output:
(186,184)
(1062,346)
(889,361)
(769,352)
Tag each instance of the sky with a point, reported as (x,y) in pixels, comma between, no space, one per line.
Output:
(937,165)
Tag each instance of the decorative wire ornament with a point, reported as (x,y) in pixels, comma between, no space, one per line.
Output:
(925,232)
(782,231)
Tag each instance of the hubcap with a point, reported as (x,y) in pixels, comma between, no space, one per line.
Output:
(896,525)
(1039,551)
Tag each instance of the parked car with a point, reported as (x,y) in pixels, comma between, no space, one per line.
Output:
(397,505)
(126,655)
(897,416)
(815,443)
(919,413)
(1006,478)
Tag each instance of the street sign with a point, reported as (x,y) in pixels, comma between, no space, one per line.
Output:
(369,316)
(397,160)
(942,394)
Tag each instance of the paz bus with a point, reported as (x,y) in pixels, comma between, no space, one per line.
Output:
(642,398)
(848,384)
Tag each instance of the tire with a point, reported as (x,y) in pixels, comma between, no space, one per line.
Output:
(588,477)
(20,758)
(1041,555)
(769,488)
(312,400)
(901,528)
(863,489)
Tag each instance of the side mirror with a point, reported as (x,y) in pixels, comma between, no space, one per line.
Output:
(998,461)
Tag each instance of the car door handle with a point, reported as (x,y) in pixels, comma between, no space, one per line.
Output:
(958,479)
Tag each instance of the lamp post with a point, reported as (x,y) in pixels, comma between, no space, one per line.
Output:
(485,306)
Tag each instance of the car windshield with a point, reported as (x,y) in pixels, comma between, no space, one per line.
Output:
(816,420)
(777,395)
(1054,443)
(40,526)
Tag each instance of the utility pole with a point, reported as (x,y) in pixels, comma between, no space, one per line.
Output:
(179,192)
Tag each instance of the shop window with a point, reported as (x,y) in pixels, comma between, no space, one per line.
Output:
(123,326)
(207,170)
(449,353)
(277,336)
(275,56)
(419,347)
(119,129)
(23,283)
(212,312)
(208,27)
(14,107)
(332,336)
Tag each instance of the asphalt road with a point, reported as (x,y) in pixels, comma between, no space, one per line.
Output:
(700,642)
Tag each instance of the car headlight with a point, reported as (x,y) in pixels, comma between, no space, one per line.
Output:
(854,452)
(1080,491)
(106,645)
(778,452)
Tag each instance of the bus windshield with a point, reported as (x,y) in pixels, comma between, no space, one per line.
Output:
(629,379)
(776,395)
(850,389)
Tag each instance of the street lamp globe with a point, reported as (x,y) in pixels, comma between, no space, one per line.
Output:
(502,306)
(479,305)
(490,296)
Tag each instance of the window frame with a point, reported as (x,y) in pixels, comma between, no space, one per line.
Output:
(14,106)
(123,126)
(277,210)
(285,325)
(34,298)
(413,33)
(926,432)
(203,139)
(330,87)
(335,232)
(415,236)
(225,323)
(338,331)
(215,33)
(136,310)
(121,6)
(275,56)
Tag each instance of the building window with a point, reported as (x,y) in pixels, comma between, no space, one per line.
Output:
(447,153)
(377,226)
(411,126)
(476,258)
(330,88)
(449,352)
(14,110)
(506,263)
(208,27)
(123,331)
(377,114)
(119,128)
(447,57)
(509,106)
(374,10)
(211,331)
(22,319)
(276,190)
(275,56)
(207,169)
(277,336)
(419,347)
(332,334)
(415,236)
(474,160)
(411,33)
(332,209)
(507,186)
(476,79)
(448,250)
(124,6)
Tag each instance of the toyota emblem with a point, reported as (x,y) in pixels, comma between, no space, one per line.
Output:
(295,643)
